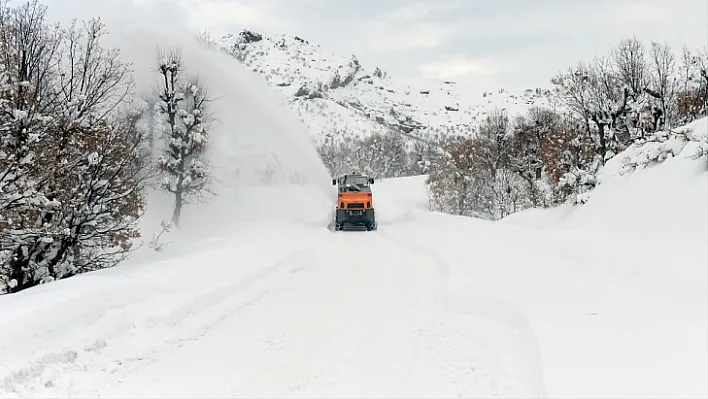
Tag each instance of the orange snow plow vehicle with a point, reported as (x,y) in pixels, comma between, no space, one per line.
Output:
(355,202)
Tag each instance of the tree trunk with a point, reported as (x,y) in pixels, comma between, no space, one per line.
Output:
(178,209)
(603,142)
(179,193)
(461,199)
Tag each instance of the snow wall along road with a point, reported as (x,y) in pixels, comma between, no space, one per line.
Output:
(264,163)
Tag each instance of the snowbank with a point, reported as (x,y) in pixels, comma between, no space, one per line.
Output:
(396,199)
(654,189)
(116,316)
(605,292)
(609,298)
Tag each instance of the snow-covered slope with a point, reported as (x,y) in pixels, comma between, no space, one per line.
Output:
(634,194)
(335,95)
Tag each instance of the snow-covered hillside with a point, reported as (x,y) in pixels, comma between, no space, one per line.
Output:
(335,95)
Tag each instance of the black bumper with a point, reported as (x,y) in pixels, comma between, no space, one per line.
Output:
(356,216)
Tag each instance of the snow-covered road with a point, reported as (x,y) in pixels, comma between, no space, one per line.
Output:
(320,314)
(359,315)
(430,305)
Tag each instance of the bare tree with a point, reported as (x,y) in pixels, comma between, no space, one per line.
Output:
(702,77)
(70,167)
(525,155)
(337,155)
(206,39)
(491,138)
(451,182)
(573,89)
(28,58)
(663,83)
(597,95)
(630,65)
(692,97)
(30,53)
(184,104)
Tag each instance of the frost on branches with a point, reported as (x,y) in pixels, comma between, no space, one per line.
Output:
(380,155)
(183,107)
(629,98)
(490,175)
(627,102)
(70,166)
(538,159)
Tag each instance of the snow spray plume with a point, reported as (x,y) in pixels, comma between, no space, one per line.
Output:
(256,143)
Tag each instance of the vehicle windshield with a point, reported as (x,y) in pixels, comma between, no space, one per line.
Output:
(353,183)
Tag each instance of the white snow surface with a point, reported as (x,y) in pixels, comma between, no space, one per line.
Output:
(590,304)
(257,297)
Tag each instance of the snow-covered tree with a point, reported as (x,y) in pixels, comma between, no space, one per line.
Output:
(183,104)
(596,94)
(451,181)
(629,65)
(70,161)
(692,96)
(663,83)
(381,155)
(377,155)
(473,176)
(525,155)
(336,153)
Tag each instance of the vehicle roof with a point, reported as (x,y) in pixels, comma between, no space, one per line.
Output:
(353,174)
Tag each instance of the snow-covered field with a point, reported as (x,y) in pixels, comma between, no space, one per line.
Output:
(255,297)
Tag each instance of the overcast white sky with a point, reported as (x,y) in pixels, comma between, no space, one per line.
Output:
(490,44)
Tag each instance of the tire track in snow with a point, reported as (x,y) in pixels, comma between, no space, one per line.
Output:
(375,327)
(57,373)
(363,314)
(512,378)
(364,318)
(416,352)
(461,357)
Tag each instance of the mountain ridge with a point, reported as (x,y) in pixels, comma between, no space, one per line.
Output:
(335,96)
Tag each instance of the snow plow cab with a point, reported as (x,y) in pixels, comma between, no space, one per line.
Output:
(355,203)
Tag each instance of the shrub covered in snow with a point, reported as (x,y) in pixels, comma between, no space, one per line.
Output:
(690,141)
